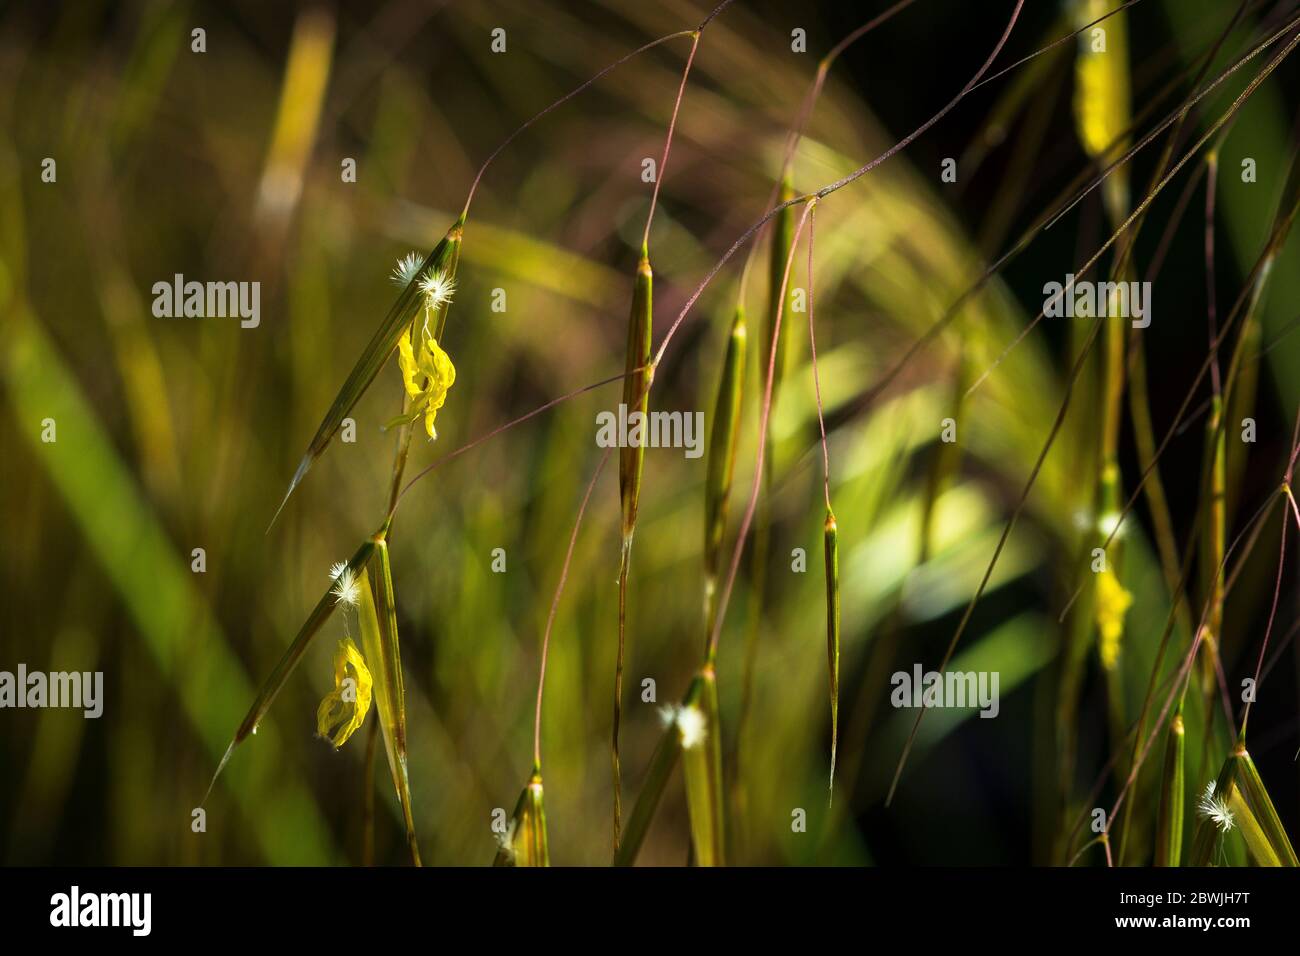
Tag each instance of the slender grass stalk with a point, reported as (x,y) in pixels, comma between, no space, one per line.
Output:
(636,394)
(777,298)
(832,554)
(830,529)
(525,844)
(368,797)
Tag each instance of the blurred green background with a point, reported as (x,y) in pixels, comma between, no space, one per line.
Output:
(175,434)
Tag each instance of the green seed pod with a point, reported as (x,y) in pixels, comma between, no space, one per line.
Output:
(1169,816)
(636,385)
(525,843)
(1261,806)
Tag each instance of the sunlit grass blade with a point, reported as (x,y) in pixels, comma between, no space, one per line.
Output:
(1247,824)
(1256,797)
(722,460)
(701,741)
(377,352)
(832,549)
(379,642)
(524,844)
(1169,817)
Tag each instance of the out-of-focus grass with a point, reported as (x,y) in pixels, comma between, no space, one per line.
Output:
(180,433)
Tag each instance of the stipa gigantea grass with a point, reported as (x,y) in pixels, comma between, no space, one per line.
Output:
(636,396)
(442,259)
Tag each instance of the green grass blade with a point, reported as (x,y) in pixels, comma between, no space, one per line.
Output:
(1256,796)
(1247,824)
(114,517)
(1169,816)
(377,352)
(380,645)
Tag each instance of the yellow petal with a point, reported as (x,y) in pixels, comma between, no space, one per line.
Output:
(439,373)
(344,708)
(406,362)
(1112,604)
(436,365)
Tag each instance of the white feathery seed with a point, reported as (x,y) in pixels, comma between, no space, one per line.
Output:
(1215,809)
(406,269)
